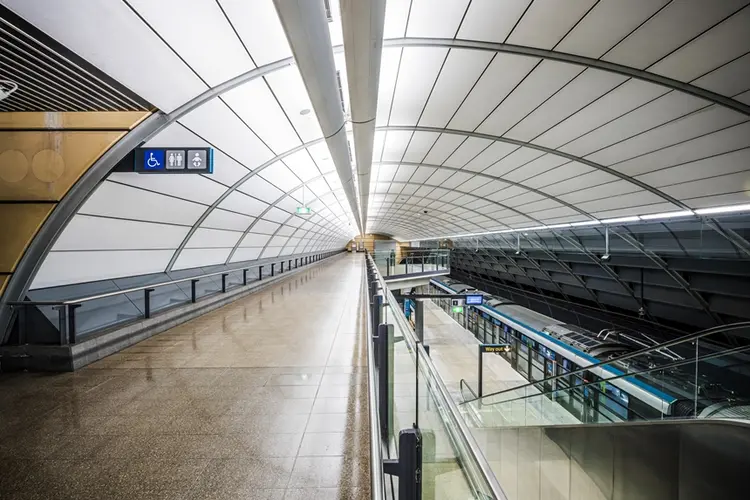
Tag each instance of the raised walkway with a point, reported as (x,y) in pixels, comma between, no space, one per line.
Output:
(265,398)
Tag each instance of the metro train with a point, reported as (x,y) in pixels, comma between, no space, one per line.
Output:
(543,347)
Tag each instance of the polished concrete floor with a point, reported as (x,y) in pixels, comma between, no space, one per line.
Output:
(265,398)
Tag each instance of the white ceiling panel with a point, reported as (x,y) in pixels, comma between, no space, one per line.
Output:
(404,173)
(623,99)
(614,201)
(238,202)
(290,91)
(702,147)
(731,79)
(62,268)
(260,188)
(582,90)
(467,151)
(531,173)
(395,144)
(216,123)
(245,254)
(490,20)
(500,78)
(256,105)
(396,16)
(595,178)
(260,29)
(546,22)
(729,163)
(435,18)
(280,176)
(519,157)
(124,46)
(270,252)
(264,227)
(276,215)
(216,55)
(443,148)
(255,240)
(420,145)
(543,82)
(670,28)
(302,165)
(389,65)
(606,24)
(190,258)
(137,204)
(213,238)
(489,156)
(189,187)
(221,219)
(419,69)
(662,110)
(455,180)
(84,232)
(712,49)
(461,70)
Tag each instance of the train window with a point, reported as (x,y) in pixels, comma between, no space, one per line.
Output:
(547,352)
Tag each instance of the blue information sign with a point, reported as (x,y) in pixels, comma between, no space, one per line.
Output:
(174,160)
(474,300)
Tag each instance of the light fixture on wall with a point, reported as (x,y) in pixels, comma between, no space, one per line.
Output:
(7,87)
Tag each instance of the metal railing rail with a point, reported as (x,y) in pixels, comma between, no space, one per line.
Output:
(465,437)
(67,307)
(603,364)
(377,483)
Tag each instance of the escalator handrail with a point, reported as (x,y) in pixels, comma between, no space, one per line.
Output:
(646,350)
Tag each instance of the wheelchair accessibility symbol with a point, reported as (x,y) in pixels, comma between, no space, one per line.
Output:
(153,159)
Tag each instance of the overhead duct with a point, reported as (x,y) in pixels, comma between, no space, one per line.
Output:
(306,28)
(362,23)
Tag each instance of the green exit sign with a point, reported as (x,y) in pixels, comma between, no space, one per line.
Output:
(304,210)
(458,309)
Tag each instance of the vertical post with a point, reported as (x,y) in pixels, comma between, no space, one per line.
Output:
(296,263)
(224,283)
(147,302)
(260,273)
(281,269)
(479,368)
(192,290)
(377,307)
(290,265)
(62,323)
(385,369)
(422,259)
(72,322)
(272,264)
(419,320)
(244,277)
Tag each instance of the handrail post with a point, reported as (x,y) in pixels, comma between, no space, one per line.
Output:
(147,302)
(260,273)
(192,290)
(224,282)
(72,322)
(244,277)
(62,323)
(281,269)
(422,259)
(272,264)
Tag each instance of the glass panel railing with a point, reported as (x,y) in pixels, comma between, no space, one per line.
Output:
(452,465)
(413,262)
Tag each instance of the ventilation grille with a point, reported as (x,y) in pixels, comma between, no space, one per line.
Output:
(52,78)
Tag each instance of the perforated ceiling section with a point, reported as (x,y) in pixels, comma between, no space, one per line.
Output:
(491,115)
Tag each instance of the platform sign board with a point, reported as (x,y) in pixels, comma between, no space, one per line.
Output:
(494,348)
(174,160)
(474,300)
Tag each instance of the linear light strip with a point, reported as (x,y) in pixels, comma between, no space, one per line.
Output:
(618,220)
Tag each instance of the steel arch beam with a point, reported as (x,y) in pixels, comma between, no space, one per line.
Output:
(564,57)
(672,274)
(487,176)
(544,149)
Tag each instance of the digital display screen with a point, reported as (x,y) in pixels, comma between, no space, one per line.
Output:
(474,300)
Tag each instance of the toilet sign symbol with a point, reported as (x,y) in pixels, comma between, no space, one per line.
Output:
(197,161)
(152,162)
(153,159)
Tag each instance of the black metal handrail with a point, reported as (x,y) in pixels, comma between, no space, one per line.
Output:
(66,308)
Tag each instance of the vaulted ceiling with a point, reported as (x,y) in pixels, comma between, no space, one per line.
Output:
(482,116)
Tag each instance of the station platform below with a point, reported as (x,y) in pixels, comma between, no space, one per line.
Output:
(265,398)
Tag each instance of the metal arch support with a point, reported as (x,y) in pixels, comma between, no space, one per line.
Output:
(564,57)
(543,149)
(488,176)
(604,267)
(53,226)
(734,238)
(672,274)
(533,263)
(264,212)
(567,269)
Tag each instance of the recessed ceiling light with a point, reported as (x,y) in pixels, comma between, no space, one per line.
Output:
(305,111)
